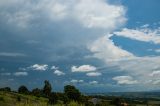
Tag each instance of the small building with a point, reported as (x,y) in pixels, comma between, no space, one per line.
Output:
(95,101)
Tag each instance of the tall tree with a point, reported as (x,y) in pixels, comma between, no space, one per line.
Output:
(47,88)
(72,92)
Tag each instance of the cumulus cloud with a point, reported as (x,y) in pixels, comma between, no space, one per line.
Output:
(22,69)
(38,67)
(155,73)
(144,34)
(8,54)
(125,80)
(5,74)
(83,68)
(93,82)
(95,13)
(145,26)
(104,48)
(20,73)
(54,68)
(99,14)
(94,74)
(76,81)
(59,73)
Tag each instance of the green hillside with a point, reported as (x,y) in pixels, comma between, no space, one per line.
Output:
(15,99)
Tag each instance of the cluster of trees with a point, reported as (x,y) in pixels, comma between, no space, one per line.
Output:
(8,89)
(71,93)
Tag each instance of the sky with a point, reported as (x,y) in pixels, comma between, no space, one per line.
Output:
(95,45)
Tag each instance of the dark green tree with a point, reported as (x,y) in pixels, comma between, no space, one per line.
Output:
(72,93)
(37,92)
(8,89)
(53,98)
(23,89)
(117,101)
(62,97)
(47,88)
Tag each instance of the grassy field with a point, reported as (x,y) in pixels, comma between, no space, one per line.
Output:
(16,99)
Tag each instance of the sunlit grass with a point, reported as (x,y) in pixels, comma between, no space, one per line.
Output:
(15,99)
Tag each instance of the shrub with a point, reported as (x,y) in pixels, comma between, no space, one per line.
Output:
(1,99)
(23,89)
(18,98)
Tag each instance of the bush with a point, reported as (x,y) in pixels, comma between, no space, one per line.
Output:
(23,89)
(1,99)
(18,98)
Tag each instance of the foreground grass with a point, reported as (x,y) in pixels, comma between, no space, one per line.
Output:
(15,99)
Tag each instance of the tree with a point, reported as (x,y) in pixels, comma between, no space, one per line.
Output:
(62,97)
(117,101)
(47,88)
(72,93)
(37,92)
(8,89)
(53,98)
(23,89)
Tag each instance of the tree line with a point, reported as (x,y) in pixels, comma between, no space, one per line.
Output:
(70,93)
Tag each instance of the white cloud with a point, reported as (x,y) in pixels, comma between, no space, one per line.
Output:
(157,50)
(145,26)
(156,82)
(38,67)
(58,10)
(5,74)
(54,68)
(22,69)
(83,68)
(94,74)
(89,13)
(139,67)
(20,73)
(76,81)
(93,82)
(145,34)
(155,73)
(59,73)
(99,14)
(105,49)
(124,80)
(7,54)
